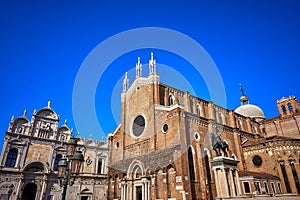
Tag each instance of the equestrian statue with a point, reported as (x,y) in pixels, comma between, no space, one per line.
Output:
(219,145)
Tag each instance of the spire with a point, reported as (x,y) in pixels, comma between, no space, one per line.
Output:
(152,65)
(24,113)
(49,103)
(12,118)
(244,99)
(138,68)
(125,82)
(65,122)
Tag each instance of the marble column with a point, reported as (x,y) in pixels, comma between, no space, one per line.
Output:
(223,180)
(232,181)
(44,184)
(21,180)
(216,181)
(238,186)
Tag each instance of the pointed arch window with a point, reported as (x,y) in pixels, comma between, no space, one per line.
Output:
(171,99)
(11,158)
(290,107)
(191,164)
(285,178)
(56,161)
(295,176)
(198,110)
(221,118)
(240,124)
(283,109)
(207,167)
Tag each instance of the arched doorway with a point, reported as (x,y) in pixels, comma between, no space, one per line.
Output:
(29,191)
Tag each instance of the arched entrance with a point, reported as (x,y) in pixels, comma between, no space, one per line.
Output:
(136,186)
(29,191)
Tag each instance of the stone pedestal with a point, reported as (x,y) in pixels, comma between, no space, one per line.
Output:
(226,177)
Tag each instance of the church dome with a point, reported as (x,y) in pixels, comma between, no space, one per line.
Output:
(250,110)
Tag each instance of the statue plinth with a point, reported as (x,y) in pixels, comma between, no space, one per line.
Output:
(226,177)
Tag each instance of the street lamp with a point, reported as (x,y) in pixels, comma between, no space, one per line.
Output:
(65,171)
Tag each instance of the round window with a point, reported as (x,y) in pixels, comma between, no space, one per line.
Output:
(197,136)
(138,126)
(165,128)
(257,161)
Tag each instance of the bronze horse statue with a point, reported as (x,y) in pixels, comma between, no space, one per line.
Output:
(218,144)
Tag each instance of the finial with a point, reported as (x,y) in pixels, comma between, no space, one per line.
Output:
(78,134)
(65,122)
(24,113)
(244,99)
(125,82)
(12,118)
(152,64)
(242,89)
(138,68)
(34,111)
(91,136)
(102,138)
(49,103)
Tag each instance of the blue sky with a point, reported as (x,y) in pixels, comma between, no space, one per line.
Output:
(44,44)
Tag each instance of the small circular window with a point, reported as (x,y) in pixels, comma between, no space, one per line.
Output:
(138,126)
(257,161)
(165,128)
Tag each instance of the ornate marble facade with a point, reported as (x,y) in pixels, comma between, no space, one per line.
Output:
(30,155)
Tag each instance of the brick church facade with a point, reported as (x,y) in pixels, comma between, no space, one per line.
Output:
(162,148)
(169,145)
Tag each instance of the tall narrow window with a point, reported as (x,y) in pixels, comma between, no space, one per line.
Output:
(171,99)
(99,169)
(283,109)
(295,176)
(246,187)
(198,110)
(266,187)
(207,167)
(221,118)
(273,188)
(11,158)
(240,124)
(56,161)
(290,107)
(191,164)
(192,172)
(257,186)
(285,177)
(279,187)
